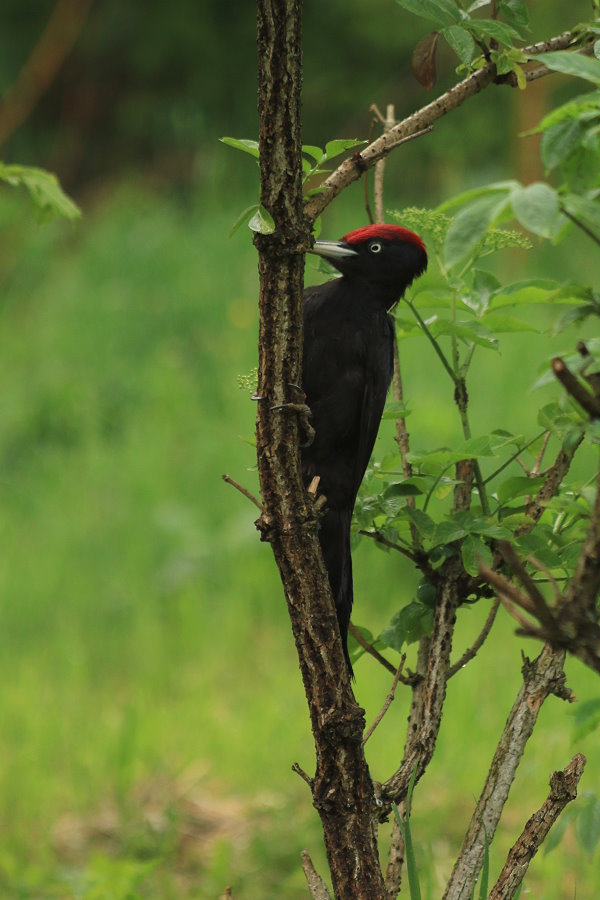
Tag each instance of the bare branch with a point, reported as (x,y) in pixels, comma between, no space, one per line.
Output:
(472,651)
(317,887)
(297,768)
(370,649)
(572,385)
(380,539)
(552,481)
(229,480)
(541,678)
(542,612)
(351,169)
(505,589)
(563,789)
(387,701)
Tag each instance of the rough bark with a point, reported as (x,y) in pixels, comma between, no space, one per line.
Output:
(541,678)
(563,789)
(342,788)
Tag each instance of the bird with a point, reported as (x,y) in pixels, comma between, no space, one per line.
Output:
(347,368)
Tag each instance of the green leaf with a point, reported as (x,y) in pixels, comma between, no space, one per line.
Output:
(440,12)
(584,209)
(537,290)
(474,552)
(243,218)
(461,42)
(557,832)
(491,28)
(467,197)
(422,522)
(559,141)
(587,719)
(262,221)
(243,144)
(408,487)
(470,225)
(582,107)
(536,207)
(503,324)
(518,486)
(408,625)
(396,409)
(474,332)
(571,64)
(44,190)
(581,169)
(515,12)
(587,826)
(314,152)
(356,650)
(447,532)
(336,148)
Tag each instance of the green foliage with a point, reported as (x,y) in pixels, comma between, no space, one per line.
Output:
(466,312)
(587,718)
(260,219)
(475,39)
(48,198)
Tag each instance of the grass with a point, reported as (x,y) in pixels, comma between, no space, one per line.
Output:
(151,706)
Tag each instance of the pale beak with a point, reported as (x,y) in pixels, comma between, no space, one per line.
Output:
(332,249)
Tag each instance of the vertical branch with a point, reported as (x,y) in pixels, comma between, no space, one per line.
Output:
(542,677)
(342,789)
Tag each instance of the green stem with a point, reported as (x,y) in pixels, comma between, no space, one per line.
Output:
(461,402)
(513,457)
(433,342)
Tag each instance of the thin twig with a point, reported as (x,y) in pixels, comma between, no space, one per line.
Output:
(537,598)
(471,652)
(575,388)
(505,588)
(317,887)
(417,123)
(372,651)
(514,457)
(563,789)
(535,469)
(296,767)
(239,487)
(388,123)
(433,342)
(380,539)
(580,225)
(387,702)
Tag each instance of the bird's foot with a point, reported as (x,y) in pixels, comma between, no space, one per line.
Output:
(301,408)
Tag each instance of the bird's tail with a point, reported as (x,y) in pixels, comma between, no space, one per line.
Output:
(335,545)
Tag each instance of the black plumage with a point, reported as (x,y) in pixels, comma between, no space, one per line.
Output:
(347,369)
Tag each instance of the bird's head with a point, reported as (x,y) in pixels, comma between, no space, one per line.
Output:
(385,256)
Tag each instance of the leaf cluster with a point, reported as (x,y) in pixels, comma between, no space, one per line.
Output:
(45,192)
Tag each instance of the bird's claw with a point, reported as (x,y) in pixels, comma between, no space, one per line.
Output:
(304,414)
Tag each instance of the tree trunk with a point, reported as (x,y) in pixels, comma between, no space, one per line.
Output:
(342,788)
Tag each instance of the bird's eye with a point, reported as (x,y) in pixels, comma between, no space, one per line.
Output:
(375,247)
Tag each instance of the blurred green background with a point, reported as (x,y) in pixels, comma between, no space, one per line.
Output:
(151,705)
